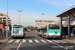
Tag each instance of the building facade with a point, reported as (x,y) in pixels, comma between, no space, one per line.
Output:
(65,23)
(41,23)
(0,20)
(3,18)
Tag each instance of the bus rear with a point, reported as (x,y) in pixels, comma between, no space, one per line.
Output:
(17,31)
(53,31)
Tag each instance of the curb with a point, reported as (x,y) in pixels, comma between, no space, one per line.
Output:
(4,40)
(69,40)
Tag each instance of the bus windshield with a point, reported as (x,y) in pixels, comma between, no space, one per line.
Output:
(53,26)
(17,26)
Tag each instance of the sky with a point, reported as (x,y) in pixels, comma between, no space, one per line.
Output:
(32,10)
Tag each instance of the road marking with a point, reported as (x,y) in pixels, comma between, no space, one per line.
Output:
(36,41)
(10,41)
(19,44)
(17,41)
(62,41)
(23,41)
(30,41)
(60,46)
(50,41)
(56,41)
(43,41)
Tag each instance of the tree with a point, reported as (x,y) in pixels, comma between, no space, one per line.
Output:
(1,14)
(32,28)
(36,28)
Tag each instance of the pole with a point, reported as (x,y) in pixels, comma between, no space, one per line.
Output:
(19,15)
(69,34)
(19,18)
(61,25)
(7,20)
(44,17)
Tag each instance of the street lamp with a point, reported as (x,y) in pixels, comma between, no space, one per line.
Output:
(7,20)
(44,15)
(19,15)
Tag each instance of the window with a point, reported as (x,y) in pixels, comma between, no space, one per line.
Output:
(54,26)
(4,18)
(17,26)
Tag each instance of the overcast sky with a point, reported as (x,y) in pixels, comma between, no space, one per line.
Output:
(32,9)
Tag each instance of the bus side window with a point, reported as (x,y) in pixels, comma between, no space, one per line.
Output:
(49,26)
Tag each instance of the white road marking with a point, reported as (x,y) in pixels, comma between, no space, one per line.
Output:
(56,41)
(30,41)
(60,46)
(19,44)
(36,41)
(50,41)
(10,41)
(62,41)
(43,41)
(17,41)
(23,41)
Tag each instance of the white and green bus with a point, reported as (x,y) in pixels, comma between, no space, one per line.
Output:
(50,31)
(17,31)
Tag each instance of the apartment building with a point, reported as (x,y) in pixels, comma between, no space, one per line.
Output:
(41,23)
(0,20)
(3,18)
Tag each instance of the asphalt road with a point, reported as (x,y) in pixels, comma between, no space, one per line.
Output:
(34,42)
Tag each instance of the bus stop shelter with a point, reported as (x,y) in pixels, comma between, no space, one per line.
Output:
(68,13)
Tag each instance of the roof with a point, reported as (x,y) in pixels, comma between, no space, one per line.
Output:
(70,11)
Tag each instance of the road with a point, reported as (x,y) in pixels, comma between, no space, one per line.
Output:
(34,42)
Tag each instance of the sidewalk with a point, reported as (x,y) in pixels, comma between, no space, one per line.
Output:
(71,40)
(3,37)
(4,40)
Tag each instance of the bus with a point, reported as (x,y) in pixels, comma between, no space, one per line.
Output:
(50,31)
(17,31)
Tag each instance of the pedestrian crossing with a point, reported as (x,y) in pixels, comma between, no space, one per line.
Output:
(36,41)
(30,41)
(17,41)
(23,41)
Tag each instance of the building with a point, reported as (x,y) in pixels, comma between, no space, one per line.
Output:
(65,23)
(0,20)
(41,23)
(3,18)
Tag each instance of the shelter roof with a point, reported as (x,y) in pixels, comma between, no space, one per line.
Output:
(70,11)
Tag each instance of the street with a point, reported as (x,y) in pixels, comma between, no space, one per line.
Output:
(37,25)
(34,42)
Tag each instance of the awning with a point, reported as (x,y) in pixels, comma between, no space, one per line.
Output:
(70,11)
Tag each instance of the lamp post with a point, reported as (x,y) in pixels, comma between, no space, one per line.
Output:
(19,15)
(44,15)
(7,20)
